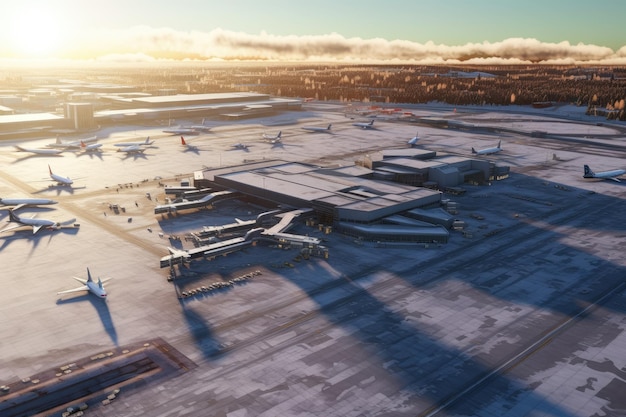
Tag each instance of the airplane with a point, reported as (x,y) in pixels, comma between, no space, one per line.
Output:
(59,179)
(39,151)
(273,139)
(36,224)
(369,125)
(75,144)
(317,129)
(240,146)
(414,140)
(201,127)
(181,131)
(488,151)
(90,147)
(25,202)
(188,146)
(90,285)
(188,130)
(132,149)
(146,142)
(606,175)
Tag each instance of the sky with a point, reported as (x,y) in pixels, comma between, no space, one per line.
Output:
(356,31)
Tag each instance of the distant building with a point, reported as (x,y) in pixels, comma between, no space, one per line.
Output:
(80,115)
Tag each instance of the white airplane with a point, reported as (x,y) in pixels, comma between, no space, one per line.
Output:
(18,203)
(414,140)
(488,151)
(201,127)
(188,130)
(39,151)
(605,175)
(369,125)
(75,144)
(273,139)
(90,147)
(317,129)
(36,224)
(181,131)
(132,149)
(146,142)
(90,285)
(60,179)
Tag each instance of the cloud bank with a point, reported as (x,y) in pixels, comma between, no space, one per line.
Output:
(146,43)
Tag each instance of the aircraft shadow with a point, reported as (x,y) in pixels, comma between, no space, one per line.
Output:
(200,331)
(101,306)
(91,155)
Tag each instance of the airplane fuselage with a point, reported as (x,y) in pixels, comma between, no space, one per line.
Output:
(146,142)
(26,201)
(605,175)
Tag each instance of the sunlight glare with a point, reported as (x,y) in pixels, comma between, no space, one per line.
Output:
(36,33)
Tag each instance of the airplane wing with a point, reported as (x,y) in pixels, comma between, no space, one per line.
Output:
(12,227)
(81,288)
(36,228)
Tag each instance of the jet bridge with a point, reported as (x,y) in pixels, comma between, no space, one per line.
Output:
(203,202)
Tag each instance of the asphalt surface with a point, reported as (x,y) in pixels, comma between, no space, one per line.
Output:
(520,314)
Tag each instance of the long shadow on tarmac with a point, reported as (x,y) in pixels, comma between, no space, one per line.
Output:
(426,367)
(101,307)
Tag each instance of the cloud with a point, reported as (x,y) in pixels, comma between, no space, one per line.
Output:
(220,44)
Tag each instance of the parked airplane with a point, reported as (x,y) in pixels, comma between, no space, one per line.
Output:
(90,147)
(605,175)
(75,144)
(90,285)
(188,146)
(273,139)
(488,151)
(18,203)
(146,142)
(240,146)
(36,224)
(414,140)
(39,151)
(369,125)
(317,129)
(201,127)
(179,130)
(132,149)
(60,179)
(188,130)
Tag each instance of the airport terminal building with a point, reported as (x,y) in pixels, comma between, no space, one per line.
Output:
(349,199)
(395,198)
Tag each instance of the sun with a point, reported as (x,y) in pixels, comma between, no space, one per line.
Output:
(36,33)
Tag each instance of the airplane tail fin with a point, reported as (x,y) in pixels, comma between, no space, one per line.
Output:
(474,150)
(588,172)
(182,141)
(49,169)
(89,275)
(499,144)
(147,142)
(13,218)
(328,128)
(372,122)
(280,133)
